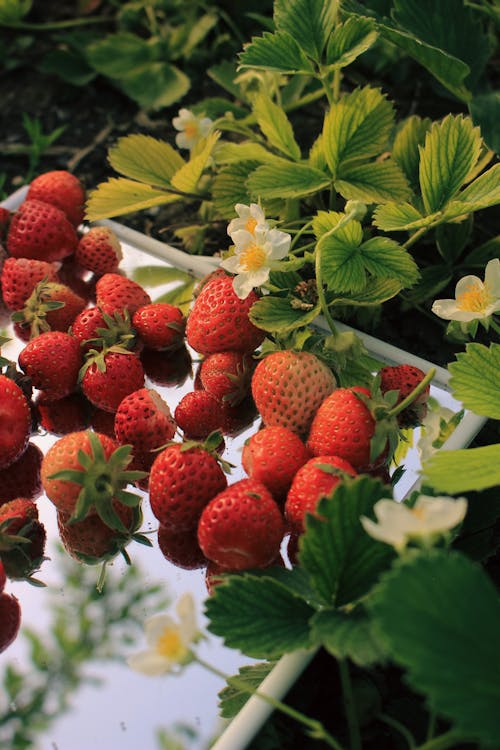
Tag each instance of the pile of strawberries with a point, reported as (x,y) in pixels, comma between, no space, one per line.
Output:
(95,348)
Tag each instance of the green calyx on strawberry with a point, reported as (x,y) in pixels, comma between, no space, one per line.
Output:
(102,480)
(39,312)
(117,331)
(22,539)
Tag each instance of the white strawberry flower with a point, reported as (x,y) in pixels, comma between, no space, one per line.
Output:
(169,642)
(438,425)
(430,518)
(474,299)
(192,128)
(249,217)
(254,255)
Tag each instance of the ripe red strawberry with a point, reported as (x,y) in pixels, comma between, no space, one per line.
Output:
(62,189)
(41,231)
(52,306)
(315,479)
(91,541)
(273,455)
(183,479)
(10,620)
(95,330)
(22,478)
(99,250)
(115,293)
(219,320)
(198,413)
(68,414)
(84,472)
(404,379)
(15,421)
(241,527)
(20,277)
(5,215)
(143,420)
(288,387)
(343,426)
(107,377)
(160,326)
(238,418)
(181,548)
(227,376)
(22,538)
(52,361)
(167,368)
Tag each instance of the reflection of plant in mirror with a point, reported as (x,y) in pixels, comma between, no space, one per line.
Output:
(85,627)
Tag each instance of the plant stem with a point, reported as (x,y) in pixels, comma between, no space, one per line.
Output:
(448,739)
(415,237)
(413,395)
(315,728)
(55,26)
(349,705)
(321,294)
(395,724)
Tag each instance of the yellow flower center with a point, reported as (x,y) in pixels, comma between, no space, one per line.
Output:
(170,645)
(252,258)
(251,224)
(419,513)
(191,129)
(474,299)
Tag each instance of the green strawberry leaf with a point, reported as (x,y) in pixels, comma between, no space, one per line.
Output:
(233,697)
(278,52)
(348,635)
(398,217)
(463,470)
(230,187)
(259,615)
(276,126)
(475,381)
(349,40)
(153,276)
(286,180)
(245,151)
(439,615)
(187,177)
(120,196)
(146,159)
(276,314)
(341,559)
(483,192)
(376,182)
(310,21)
(485,111)
(405,150)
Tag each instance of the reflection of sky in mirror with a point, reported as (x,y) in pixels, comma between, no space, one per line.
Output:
(128,708)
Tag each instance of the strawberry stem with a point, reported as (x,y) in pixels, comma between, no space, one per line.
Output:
(414,393)
(321,294)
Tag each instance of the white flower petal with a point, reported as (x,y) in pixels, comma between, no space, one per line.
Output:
(183,141)
(242,239)
(149,662)
(243,284)
(156,626)
(449,310)
(492,277)
(231,264)
(394,537)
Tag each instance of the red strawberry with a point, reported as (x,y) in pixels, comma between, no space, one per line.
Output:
(143,419)
(62,189)
(5,215)
(103,421)
(91,541)
(3,577)
(241,527)
(84,472)
(22,538)
(181,548)
(95,330)
(160,326)
(167,368)
(10,620)
(198,413)
(52,361)
(109,376)
(404,379)
(343,426)
(99,250)
(20,277)
(183,479)
(50,307)
(238,418)
(15,421)
(81,281)
(315,479)
(41,231)
(22,478)
(273,455)
(227,376)
(219,320)
(115,293)
(288,387)
(68,414)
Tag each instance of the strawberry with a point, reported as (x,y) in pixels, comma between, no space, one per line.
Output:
(198,413)
(22,538)
(95,330)
(41,231)
(81,281)
(15,421)
(108,376)
(273,455)
(52,361)
(237,418)
(91,541)
(143,419)
(181,548)
(404,379)
(103,422)
(22,478)
(5,215)
(343,426)
(183,479)
(227,376)
(288,387)
(52,306)
(167,368)
(160,325)
(115,293)
(62,189)
(20,277)
(84,472)
(241,527)
(99,250)
(10,620)
(219,320)
(67,414)
(3,577)
(315,479)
